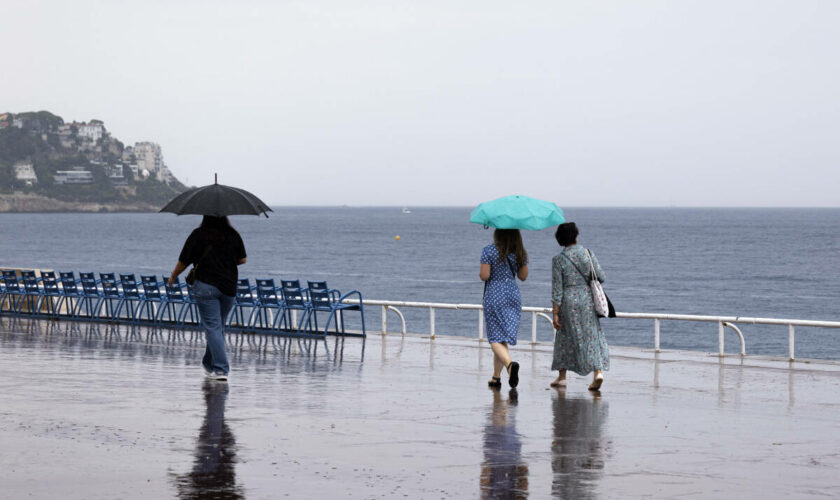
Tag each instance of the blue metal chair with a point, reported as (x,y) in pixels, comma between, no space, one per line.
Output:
(153,300)
(244,299)
(130,298)
(50,295)
(32,293)
(267,301)
(91,299)
(176,305)
(329,300)
(70,295)
(111,296)
(295,299)
(13,294)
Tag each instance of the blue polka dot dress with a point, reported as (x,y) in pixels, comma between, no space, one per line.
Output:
(502,300)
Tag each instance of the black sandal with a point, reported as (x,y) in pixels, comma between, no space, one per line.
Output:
(514,374)
(496,382)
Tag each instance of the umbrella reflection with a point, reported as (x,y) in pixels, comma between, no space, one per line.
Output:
(503,472)
(578,451)
(213,474)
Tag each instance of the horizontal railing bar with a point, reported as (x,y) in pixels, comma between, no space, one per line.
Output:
(659,316)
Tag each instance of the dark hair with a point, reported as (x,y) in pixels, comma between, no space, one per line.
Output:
(566,234)
(510,241)
(214,222)
(216,229)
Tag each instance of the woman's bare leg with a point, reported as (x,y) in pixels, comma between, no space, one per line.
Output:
(501,355)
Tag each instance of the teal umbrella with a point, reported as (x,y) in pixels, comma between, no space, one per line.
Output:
(517,212)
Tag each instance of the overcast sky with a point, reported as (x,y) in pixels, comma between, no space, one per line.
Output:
(608,103)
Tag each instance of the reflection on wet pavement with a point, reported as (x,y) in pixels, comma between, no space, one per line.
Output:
(213,474)
(578,449)
(504,474)
(106,411)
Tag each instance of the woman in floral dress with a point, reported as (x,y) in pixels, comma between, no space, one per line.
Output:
(501,263)
(579,343)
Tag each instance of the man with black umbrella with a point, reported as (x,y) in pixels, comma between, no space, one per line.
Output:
(215,249)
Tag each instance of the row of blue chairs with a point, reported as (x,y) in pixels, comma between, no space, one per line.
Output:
(288,309)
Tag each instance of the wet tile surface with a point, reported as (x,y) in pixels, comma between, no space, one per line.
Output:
(96,411)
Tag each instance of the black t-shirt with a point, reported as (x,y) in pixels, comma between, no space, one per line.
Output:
(218,266)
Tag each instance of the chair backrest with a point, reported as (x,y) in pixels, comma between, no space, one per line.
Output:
(110,290)
(30,283)
(173,293)
(243,292)
(151,288)
(49,283)
(108,277)
(11,281)
(267,292)
(29,274)
(68,283)
(319,294)
(89,288)
(129,286)
(292,294)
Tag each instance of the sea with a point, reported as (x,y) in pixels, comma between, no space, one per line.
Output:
(755,262)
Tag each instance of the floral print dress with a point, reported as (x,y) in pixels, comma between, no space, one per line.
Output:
(579,345)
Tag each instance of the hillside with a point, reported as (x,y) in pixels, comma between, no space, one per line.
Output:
(49,165)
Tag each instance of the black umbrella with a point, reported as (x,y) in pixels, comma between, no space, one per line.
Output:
(217,200)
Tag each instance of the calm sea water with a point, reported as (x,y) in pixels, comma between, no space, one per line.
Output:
(780,263)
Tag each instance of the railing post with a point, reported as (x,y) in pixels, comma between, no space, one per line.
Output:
(384,320)
(534,327)
(791,333)
(720,338)
(432,322)
(656,335)
(480,324)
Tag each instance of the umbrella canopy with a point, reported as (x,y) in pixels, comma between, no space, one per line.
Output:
(217,200)
(517,212)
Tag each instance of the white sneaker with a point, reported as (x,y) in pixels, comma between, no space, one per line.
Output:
(218,376)
(206,373)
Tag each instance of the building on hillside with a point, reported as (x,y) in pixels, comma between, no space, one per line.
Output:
(150,157)
(25,172)
(135,170)
(79,175)
(6,120)
(115,175)
(92,130)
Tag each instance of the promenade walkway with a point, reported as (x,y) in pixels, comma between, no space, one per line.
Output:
(98,411)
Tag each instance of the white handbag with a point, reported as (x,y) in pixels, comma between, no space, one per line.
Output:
(599,298)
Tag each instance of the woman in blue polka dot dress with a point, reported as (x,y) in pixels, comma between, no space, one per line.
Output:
(501,263)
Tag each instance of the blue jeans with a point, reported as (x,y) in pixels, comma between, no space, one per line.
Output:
(213,307)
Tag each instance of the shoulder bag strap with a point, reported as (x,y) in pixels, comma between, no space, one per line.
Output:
(591,265)
(575,266)
(206,251)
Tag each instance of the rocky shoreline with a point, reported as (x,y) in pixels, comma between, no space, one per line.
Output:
(33,203)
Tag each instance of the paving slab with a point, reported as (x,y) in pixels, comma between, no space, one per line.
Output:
(104,411)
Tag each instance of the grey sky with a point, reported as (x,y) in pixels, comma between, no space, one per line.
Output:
(604,103)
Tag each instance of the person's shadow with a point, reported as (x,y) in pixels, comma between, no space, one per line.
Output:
(213,475)
(578,451)
(503,472)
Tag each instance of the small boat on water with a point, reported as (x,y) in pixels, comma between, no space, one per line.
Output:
(405,210)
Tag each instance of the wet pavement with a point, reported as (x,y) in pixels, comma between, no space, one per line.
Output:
(99,411)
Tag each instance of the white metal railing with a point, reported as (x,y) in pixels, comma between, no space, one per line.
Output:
(723,322)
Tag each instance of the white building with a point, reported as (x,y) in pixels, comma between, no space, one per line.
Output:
(76,176)
(115,174)
(26,172)
(92,130)
(150,157)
